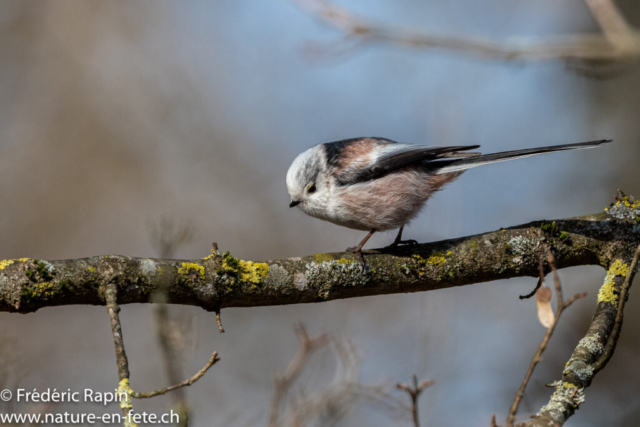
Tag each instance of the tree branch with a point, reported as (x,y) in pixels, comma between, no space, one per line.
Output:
(537,357)
(307,346)
(111,300)
(124,389)
(594,350)
(617,327)
(219,281)
(414,392)
(212,361)
(619,43)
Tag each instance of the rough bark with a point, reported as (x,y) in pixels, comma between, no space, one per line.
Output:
(218,281)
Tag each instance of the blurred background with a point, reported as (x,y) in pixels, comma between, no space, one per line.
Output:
(116,116)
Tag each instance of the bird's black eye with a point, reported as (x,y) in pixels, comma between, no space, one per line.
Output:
(311,188)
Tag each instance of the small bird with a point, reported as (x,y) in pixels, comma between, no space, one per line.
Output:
(376,184)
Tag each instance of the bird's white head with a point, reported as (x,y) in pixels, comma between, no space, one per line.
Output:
(306,181)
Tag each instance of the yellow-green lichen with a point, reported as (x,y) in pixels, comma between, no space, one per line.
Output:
(42,290)
(7,262)
(566,384)
(46,289)
(626,208)
(628,203)
(253,272)
(188,266)
(608,292)
(92,269)
(323,257)
(245,271)
(436,259)
(124,393)
(212,255)
(419,259)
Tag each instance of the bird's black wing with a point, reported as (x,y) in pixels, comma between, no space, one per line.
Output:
(398,156)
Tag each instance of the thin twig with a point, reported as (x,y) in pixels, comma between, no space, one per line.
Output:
(167,331)
(307,346)
(617,327)
(219,322)
(540,282)
(609,19)
(212,361)
(533,292)
(543,344)
(111,300)
(414,392)
(111,297)
(556,280)
(168,236)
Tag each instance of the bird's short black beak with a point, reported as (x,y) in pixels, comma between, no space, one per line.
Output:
(293,203)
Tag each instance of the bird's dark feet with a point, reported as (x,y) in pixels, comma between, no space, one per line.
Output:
(402,242)
(358,251)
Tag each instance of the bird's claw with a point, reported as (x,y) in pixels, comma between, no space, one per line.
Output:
(358,251)
(402,242)
(366,270)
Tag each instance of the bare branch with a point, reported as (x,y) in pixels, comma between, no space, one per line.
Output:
(111,296)
(111,299)
(212,361)
(620,43)
(414,392)
(538,284)
(326,404)
(543,345)
(617,327)
(168,333)
(594,349)
(168,235)
(219,321)
(609,18)
(307,346)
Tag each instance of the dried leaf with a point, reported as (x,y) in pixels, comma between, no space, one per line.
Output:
(545,312)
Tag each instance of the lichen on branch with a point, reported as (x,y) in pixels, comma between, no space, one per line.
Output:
(217,281)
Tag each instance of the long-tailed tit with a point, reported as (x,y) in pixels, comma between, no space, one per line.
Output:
(375,184)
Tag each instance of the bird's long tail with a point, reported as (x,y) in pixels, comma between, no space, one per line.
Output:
(448,166)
